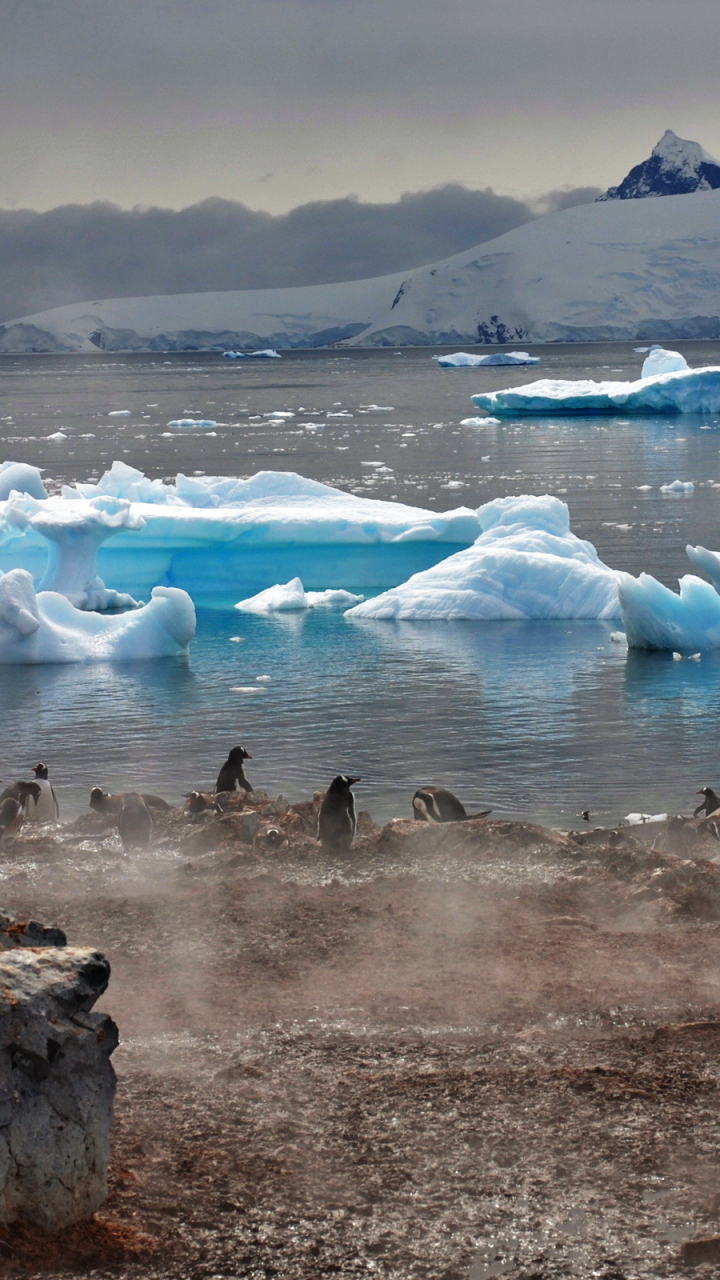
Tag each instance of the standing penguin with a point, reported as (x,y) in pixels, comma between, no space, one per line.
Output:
(435,804)
(135,822)
(11,815)
(23,792)
(337,821)
(46,807)
(709,804)
(232,777)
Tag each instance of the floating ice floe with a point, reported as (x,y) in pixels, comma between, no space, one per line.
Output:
(192,424)
(677,486)
(687,391)
(526,564)
(45,627)
(74,533)
(661,361)
(217,534)
(463,360)
(21,478)
(290,597)
(267,354)
(485,421)
(686,623)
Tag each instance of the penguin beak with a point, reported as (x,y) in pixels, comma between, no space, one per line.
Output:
(248,756)
(351,781)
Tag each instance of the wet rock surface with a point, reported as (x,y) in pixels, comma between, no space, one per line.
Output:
(462,1051)
(56,1085)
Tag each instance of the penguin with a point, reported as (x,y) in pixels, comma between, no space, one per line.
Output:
(46,808)
(110,805)
(11,816)
(337,821)
(135,822)
(23,792)
(435,804)
(231,777)
(199,802)
(709,804)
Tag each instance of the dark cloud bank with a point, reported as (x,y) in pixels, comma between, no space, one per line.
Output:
(86,252)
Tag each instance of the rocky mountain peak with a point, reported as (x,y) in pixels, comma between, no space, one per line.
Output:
(675,167)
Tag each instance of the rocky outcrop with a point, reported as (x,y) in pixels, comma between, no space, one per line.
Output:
(56,1083)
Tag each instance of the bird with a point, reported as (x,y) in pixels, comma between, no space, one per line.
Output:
(232,777)
(11,815)
(585,815)
(199,802)
(45,807)
(709,804)
(436,804)
(23,792)
(105,803)
(135,822)
(336,820)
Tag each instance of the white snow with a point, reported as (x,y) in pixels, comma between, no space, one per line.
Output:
(462,360)
(526,564)
(601,271)
(47,628)
(661,361)
(689,391)
(290,597)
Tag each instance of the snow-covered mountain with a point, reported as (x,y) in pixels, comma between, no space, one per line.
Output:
(620,269)
(675,167)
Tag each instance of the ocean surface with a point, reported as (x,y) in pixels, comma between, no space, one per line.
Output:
(539,720)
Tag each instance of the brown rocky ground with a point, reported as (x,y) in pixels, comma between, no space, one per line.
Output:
(477,1050)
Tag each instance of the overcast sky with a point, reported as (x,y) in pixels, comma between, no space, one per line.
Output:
(280,102)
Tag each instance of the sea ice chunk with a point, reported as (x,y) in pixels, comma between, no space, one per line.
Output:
(267,354)
(661,361)
(47,628)
(22,478)
(526,564)
(657,618)
(290,597)
(190,424)
(688,391)
(74,532)
(463,360)
(678,486)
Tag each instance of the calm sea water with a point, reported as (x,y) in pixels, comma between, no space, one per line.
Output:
(541,720)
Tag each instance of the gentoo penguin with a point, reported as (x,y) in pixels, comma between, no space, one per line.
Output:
(709,804)
(102,802)
(336,820)
(11,815)
(231,777)
(23,792)
(46,808)
(135,822)
(435,804)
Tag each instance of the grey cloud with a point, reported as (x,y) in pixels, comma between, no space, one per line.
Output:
(566,198)
(83,252)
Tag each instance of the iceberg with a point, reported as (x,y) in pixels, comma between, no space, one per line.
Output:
(21,478)
(686,623)
(267,354)
(74,533)
(687,391)
(291,597)
(462,360)
(223,534)
(661,361)
(678,486)
(46,627)
(526,563)
(192,424)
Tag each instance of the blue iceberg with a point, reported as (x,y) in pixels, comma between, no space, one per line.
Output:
(463,360)
(685,391)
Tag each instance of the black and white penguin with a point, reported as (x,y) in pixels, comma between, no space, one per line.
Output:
(135,822)
(105,803)
(232,777)
(23,792)
(710,803)
(337,821)
(46,807)
(436,804)
(11,815)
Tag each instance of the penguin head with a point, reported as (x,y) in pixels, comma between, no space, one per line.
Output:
(238,754)
(40,770)
(97,795)
(342,783)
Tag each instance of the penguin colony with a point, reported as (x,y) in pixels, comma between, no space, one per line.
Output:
(134,811)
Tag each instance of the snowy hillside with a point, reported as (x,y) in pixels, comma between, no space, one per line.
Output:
(618,269)
(675,167)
